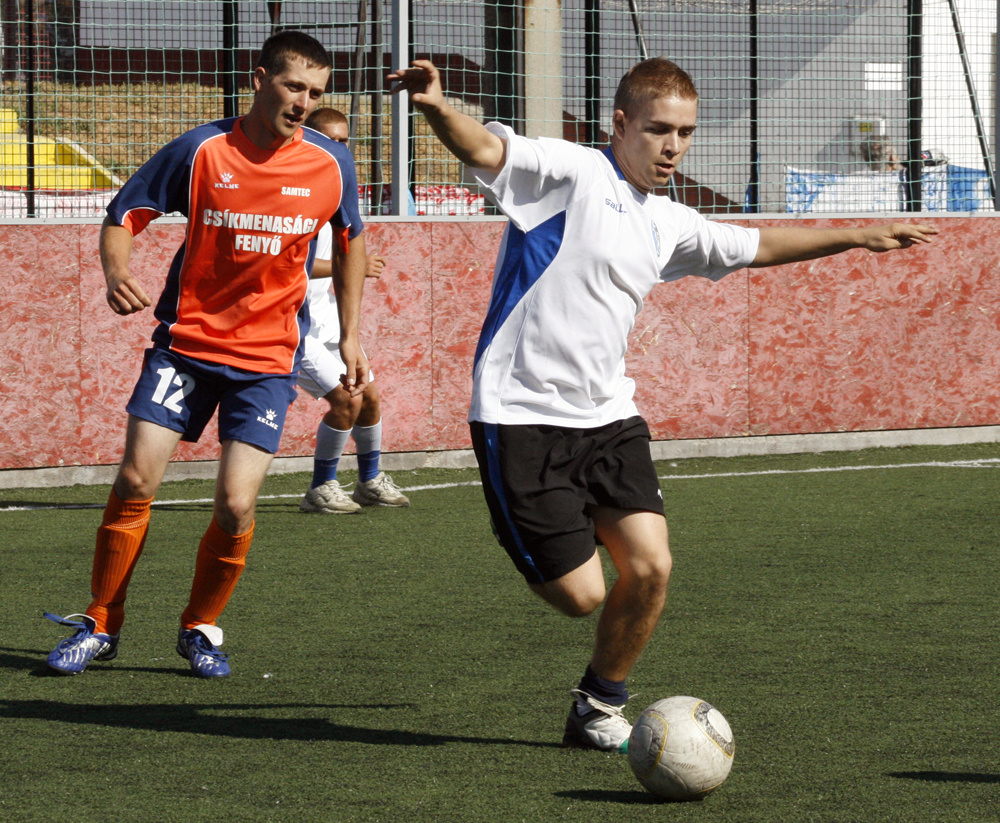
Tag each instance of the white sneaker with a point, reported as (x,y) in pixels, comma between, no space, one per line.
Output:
(329,498)
(379,491)
(604,727)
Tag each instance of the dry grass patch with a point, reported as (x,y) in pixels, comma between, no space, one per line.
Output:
(123,125)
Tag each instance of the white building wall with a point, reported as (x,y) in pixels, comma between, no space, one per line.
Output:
(948,122)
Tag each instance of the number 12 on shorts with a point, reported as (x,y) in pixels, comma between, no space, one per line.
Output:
(169,377)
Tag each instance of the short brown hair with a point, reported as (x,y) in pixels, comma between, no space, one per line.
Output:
(279,48)
(325,117)
(655,77)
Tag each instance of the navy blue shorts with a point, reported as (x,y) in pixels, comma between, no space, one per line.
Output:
(541,481)
(181,394)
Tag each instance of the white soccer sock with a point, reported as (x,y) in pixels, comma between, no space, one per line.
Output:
(368,438)
(330,442)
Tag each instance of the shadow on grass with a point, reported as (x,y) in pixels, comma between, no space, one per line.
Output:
(33,661)
(948,777)
(42,505)
(208,719)
(637,797)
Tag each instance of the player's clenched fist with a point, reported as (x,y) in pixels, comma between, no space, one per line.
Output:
(126,296)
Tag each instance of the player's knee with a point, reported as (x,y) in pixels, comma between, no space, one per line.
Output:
(343,409)
(573,601)
(655,574)
(132,484)
(661,564)
(650,571)
(338,399)
(582,604)
(234,513)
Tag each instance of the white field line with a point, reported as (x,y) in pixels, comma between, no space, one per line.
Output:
(987,463)
(165,503)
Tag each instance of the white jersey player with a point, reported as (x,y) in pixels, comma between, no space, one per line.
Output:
(358,417)
(563,454)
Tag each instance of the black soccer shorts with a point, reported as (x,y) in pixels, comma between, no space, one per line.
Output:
(541,481)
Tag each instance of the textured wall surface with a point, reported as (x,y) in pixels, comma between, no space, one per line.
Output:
(852,343)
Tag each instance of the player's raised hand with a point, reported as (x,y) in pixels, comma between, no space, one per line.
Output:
(423,81)
(462,135)
(898,236)
(125,295)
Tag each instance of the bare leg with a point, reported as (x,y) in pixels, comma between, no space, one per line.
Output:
(222,551)
(577,593)
(344,409)
(637,543)
(122,534)
(148,449)
(370,413)
(241,472)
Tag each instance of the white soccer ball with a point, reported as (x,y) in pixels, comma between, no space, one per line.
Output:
(681,748)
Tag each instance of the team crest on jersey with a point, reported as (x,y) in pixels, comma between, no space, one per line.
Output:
(656,236)
(227,183)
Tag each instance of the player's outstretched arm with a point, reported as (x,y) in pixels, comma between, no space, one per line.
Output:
(462,135)
(790,244)
(348,284)
(125,295)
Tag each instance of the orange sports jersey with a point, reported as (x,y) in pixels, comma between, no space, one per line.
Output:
(236,289)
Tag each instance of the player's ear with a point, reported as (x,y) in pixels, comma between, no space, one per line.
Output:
(257,78)
(618,123)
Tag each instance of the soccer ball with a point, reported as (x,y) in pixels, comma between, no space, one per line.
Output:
(681,748)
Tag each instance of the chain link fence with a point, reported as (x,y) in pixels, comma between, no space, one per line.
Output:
(806,107)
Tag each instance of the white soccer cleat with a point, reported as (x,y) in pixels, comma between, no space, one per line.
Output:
(328,498)
(379,491)
(603,727)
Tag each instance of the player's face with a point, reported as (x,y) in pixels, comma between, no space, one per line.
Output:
(283,101)
(650,144)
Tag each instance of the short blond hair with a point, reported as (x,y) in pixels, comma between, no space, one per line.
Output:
(652,78)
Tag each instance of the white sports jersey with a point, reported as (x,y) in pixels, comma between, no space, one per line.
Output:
(581,251)
(324,323)
(321,366)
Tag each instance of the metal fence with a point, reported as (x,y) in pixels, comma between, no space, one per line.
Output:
(806,105)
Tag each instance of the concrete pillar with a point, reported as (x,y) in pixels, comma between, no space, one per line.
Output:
(543,87)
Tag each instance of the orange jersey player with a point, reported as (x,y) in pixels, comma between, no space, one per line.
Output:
(236,286)
(256,190)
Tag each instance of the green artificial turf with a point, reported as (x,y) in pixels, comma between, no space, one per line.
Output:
(390,666)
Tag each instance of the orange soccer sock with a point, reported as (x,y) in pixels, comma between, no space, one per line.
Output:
(120,539)
(221,558)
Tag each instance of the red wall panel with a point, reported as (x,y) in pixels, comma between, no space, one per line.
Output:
(40,352)
(866,342)
(856,342)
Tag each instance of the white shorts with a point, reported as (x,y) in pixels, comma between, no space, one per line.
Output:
(322,366)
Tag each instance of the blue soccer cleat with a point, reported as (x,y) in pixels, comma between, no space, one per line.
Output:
(200,646)
(73,655)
